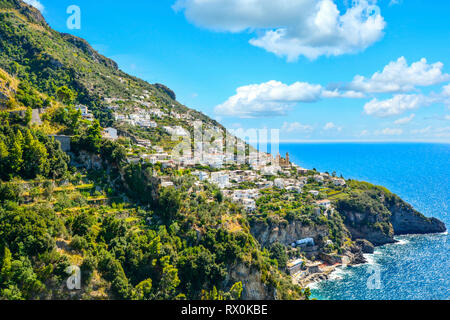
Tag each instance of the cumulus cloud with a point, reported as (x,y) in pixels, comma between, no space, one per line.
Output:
(292,28)
(35,3)
(296,127)
(405,120)
(275,98)
(397,105)
(397,76)
(401,103)
(268,99)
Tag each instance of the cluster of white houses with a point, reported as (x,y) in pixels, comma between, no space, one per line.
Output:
(263,165)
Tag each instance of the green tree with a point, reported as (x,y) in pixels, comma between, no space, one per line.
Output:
(16,153)
(65,95)
(278,252)
(35,157)
(28,116)
(169,204)
(4,155)
(144,290)
(5,271)
(169,280)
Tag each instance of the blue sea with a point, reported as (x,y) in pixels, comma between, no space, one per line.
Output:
(416,268)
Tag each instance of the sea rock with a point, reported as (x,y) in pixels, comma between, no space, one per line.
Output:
(365,245)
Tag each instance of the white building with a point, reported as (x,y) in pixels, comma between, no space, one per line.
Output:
(146,123)
(203,176)
(270,170)
(249,205)
(166,184)
(279,183)
(315,193)
(110,133)
(339,182)
(324,204)
(296,189)
(221,179)
(318,178)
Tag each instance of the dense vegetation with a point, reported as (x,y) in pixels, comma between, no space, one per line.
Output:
(173,247)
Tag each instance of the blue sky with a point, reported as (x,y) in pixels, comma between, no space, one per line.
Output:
(288,64)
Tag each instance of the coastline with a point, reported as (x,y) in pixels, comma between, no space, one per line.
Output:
(333,273)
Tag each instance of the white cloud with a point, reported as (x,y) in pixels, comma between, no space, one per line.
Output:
(268,99)
(331,126)
(390,132)
(442,132)
(296,127)
(397,105)
(394,2)
(342,94)
(421,131)
(401,103)
(397,76)
(292,28)
(447,117)
(274,98)
(405,120)
(36,3)
(364,133)
(431,132)
(446,90)
(445,95)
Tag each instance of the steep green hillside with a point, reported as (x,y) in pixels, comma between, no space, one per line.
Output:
(33,52)
(131,238)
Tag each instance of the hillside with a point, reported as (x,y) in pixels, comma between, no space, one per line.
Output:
(33,52)
(138,222)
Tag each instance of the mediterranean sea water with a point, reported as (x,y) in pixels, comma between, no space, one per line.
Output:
(418,267)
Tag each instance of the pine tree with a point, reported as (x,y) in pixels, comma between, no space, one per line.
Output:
(16,153)
(5,271)
(28,116)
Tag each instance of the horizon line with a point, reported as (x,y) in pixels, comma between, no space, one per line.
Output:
(354,141)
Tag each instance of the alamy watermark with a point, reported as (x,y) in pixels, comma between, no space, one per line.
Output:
(74,280)
(74,20)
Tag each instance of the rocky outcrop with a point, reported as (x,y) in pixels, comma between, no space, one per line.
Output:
(253,287)
(359,228)
(91,52)
(378,216)
(365,245)
(406,220)
(285,233)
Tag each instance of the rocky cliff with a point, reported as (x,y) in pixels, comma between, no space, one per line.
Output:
(406,220)
(286,233)
(253,286)
(377,215)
